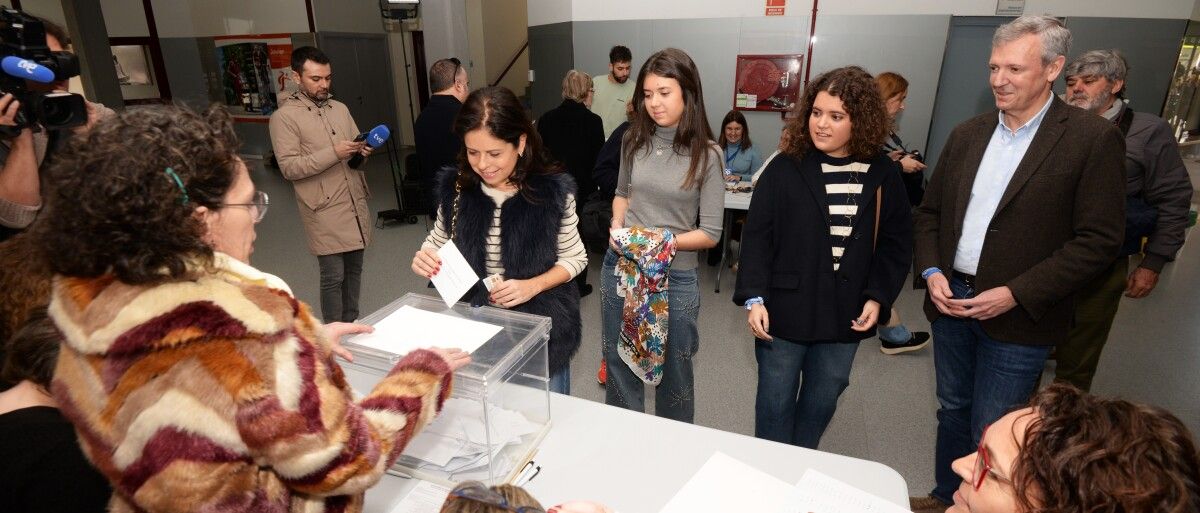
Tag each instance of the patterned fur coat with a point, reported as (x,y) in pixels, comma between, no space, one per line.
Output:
(220,394)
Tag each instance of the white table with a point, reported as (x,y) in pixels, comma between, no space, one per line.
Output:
(733,201)
(635,462)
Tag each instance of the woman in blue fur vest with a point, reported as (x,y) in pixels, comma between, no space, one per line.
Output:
(511,213)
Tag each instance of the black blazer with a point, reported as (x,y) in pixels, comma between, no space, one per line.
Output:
(573,135)
(1059,223)
(433,133)
(787,258)
(608,163)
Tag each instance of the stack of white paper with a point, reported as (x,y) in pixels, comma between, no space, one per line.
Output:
(457,443)
(819,493)
(725,484)
(425,497)
(411,328)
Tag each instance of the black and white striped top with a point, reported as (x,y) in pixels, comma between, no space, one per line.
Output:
(843,190)
(572,255)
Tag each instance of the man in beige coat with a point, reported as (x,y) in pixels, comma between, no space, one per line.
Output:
(313,136)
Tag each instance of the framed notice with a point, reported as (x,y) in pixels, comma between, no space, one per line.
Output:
(767,82)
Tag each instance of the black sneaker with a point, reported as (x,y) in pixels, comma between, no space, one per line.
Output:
(919,340)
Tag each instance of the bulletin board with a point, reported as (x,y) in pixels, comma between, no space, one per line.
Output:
(767,82)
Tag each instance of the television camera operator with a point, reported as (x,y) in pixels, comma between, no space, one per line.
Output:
(36,113)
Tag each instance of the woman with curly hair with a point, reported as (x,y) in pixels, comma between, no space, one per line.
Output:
(1070,452)
(196,382)
(825,250)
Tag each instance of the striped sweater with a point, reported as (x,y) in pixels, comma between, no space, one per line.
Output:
(843,189)
(220,394)
(572,256)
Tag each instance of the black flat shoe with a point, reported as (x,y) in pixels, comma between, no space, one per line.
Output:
(917,342)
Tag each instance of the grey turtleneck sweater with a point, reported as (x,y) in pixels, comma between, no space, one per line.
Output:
(653,185)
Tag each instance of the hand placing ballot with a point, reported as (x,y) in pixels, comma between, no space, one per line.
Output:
(455,276)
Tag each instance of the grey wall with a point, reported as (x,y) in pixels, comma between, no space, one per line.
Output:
(963,89)
(550,57)
(191,69)
(912,46)
(1151,46)
(713,43)
(189,82)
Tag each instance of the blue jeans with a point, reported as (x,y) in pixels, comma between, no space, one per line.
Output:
(561,381)
(782,415)
(674,398)
(979,379)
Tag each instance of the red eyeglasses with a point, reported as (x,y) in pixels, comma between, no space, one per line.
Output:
(983,464)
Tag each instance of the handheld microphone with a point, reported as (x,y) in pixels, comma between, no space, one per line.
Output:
(375,138)
(27,69)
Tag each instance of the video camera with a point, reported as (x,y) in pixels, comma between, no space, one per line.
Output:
(25,56)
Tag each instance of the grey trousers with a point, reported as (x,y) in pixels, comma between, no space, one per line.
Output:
(341,279)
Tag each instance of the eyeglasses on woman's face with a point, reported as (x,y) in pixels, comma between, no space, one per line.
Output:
(483,494)
(258,207)
(983,465)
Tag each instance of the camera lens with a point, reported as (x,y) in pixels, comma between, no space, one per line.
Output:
(62,110)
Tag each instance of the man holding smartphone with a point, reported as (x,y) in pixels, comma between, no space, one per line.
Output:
(314,138)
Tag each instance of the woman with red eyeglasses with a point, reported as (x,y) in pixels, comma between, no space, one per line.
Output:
(1069,452)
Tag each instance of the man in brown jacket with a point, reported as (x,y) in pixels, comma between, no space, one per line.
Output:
(1024,207)
(313,137)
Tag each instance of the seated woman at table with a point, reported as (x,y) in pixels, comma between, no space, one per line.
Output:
(195,381)
(476,497)
(825,250)
(1070,452)
(511,213)
(742,159)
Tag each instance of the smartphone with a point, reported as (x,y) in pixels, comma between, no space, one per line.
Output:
(360,137)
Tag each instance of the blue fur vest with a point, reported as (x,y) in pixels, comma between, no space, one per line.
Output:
(529,225)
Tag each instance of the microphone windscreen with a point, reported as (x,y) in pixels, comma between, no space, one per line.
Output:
(27,69)
(378,136)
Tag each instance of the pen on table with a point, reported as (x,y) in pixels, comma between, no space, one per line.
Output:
(527,474)
(524,470)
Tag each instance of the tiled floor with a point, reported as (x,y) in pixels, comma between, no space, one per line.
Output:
(886,415)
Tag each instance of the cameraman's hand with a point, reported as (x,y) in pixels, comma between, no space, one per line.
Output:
(9,107)
(345,149)
(909,164)
(93,116)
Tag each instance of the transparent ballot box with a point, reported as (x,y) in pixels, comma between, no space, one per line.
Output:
(499,408)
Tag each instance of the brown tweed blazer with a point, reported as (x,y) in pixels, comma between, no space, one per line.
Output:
(1060,221)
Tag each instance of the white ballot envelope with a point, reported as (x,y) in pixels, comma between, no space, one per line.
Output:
(456,276)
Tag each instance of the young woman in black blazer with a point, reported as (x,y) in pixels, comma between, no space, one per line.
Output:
(825,251)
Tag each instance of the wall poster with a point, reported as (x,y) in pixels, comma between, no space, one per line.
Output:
(255,70)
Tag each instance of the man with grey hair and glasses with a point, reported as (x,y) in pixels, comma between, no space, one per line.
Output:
(1025,205)
(1158,195)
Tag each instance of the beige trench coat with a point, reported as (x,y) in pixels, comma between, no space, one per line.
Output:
(331,196)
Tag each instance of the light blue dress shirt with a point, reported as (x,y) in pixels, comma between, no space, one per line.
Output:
(1004,153)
